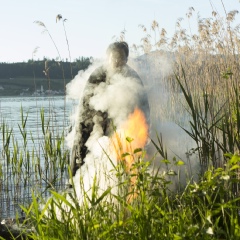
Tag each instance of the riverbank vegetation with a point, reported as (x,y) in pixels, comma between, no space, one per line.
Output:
(207,209)
(157,205)
(37,67)
(28,86)
(25,78)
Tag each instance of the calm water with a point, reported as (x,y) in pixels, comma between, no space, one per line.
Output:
(57,111)
(56,114)
(55,108)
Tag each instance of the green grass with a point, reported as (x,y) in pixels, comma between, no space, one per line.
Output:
(206,209)
(23,169)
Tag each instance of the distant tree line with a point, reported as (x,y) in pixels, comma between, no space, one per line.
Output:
(44,68)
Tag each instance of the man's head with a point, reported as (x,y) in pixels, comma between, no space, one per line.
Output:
(117,54)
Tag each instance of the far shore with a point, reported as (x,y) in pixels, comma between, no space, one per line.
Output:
(25,86)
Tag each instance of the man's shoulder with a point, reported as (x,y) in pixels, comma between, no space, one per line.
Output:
(130,72)
(98,75)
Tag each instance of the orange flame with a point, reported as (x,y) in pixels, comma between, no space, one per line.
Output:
(135,130)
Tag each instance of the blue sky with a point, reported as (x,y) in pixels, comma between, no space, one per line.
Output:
(90,25)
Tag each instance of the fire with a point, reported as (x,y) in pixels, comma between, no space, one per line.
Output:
(137,128)
(132,135)
(128,142)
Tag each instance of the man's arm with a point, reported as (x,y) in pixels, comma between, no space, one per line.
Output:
(85,124)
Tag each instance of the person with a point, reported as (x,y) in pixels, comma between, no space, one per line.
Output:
(117,56)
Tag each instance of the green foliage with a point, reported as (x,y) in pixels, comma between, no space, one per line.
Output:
(25,69)
(27,77)
(206,209)
(23,169)
(214,127)
(227,74)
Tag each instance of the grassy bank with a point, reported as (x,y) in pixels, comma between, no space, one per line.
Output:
(207,209)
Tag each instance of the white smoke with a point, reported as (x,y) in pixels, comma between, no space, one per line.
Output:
(154,69)
(74,91)
(165,112)
(97,167)
(118,99)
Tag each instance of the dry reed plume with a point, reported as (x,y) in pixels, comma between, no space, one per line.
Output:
(206,64)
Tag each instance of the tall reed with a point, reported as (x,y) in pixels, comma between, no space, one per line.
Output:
(41,167)
(201,210)
(204,82)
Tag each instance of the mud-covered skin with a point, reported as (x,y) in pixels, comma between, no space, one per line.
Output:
(87,114)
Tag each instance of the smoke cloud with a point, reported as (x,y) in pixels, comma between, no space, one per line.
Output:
(167,114)
(74,92)
(119,99)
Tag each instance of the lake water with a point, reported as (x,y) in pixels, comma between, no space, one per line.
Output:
(56,108)
(15,188)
